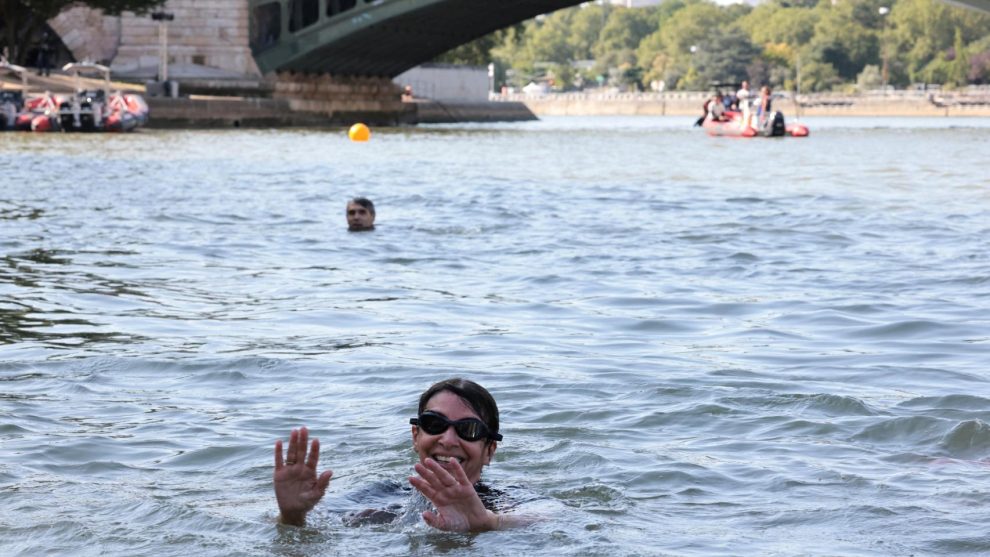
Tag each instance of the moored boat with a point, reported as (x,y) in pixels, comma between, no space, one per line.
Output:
(96,110)
(21,111)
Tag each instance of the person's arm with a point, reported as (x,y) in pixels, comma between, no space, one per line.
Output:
(458,506)
(297,486)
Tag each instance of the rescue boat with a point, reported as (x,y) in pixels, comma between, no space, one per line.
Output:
(92,110)
(100,110)
(772,125)
(18,110)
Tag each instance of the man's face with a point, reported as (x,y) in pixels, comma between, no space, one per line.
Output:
(359,218)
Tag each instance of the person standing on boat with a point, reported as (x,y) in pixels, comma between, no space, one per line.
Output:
(743,98)
(763,107)
(45,49)
(360,214)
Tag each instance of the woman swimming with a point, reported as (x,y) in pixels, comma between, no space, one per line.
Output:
(455,434)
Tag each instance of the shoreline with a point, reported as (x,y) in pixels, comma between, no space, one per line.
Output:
(896,103)
(226,103)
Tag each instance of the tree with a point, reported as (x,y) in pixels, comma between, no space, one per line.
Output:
(843,42)
(772,23)
(22,19)
(960,62)
(724,58)
(979,62)
(690,26)
(924,31)
(479,51)
(690,43)
(586,27)
(818,76)
(869,78)
(549,39)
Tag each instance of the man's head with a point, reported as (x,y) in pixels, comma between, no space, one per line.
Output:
(360,214)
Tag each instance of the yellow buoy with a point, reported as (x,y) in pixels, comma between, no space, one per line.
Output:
(359,132)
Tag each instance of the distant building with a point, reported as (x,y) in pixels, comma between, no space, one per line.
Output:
(447,82)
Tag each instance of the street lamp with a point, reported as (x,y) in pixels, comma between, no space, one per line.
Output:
(884,73)
(162,18)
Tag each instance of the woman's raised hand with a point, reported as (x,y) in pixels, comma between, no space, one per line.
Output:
(458,507)
(297,486)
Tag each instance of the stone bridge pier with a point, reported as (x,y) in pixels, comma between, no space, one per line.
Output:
(344,99)
(209,54)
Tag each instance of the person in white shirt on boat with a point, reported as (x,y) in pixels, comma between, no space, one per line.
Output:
(743,97)
(764,106)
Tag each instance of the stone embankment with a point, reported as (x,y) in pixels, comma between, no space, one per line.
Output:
(291,100)
(891,103)
(304,100)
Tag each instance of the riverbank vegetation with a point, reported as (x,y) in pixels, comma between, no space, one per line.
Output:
(813,45)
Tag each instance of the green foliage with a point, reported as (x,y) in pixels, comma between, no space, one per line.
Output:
(479,51)
(979,62)
(772,23)
(959,67)
(869,78)
(819,76)
(725,57)
(688,44)
(845,44)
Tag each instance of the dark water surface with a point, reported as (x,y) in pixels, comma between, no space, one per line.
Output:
(700,346)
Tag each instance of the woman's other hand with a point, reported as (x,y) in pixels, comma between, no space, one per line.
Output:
(458,507)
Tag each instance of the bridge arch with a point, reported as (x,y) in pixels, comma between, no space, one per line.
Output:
(381,38)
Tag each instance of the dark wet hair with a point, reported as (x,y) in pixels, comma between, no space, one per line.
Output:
(476,396)
(364,202)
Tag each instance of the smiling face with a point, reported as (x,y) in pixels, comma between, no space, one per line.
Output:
(359,217)
(472,455)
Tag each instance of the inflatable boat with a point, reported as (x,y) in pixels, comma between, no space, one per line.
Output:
(88,110)
(772,125)
(22,111)
(96,110)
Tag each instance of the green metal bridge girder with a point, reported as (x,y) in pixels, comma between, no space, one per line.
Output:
(381,38)
(981,5)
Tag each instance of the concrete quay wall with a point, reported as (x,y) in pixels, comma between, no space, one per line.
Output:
(690,104)
(452,112)
(227,112)
(368,99)
(231,112)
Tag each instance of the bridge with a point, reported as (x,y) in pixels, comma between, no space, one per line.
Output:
(980,5)
(375,38)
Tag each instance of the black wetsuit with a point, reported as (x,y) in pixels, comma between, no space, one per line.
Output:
(392,500)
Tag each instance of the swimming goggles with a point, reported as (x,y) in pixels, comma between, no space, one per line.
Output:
(468,429)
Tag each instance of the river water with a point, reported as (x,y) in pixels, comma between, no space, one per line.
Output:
(699,346)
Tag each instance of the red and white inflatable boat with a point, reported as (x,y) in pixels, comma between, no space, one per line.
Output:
(773,125)
(88,110)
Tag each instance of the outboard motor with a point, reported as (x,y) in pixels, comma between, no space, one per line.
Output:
(85,112)
(775,125)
